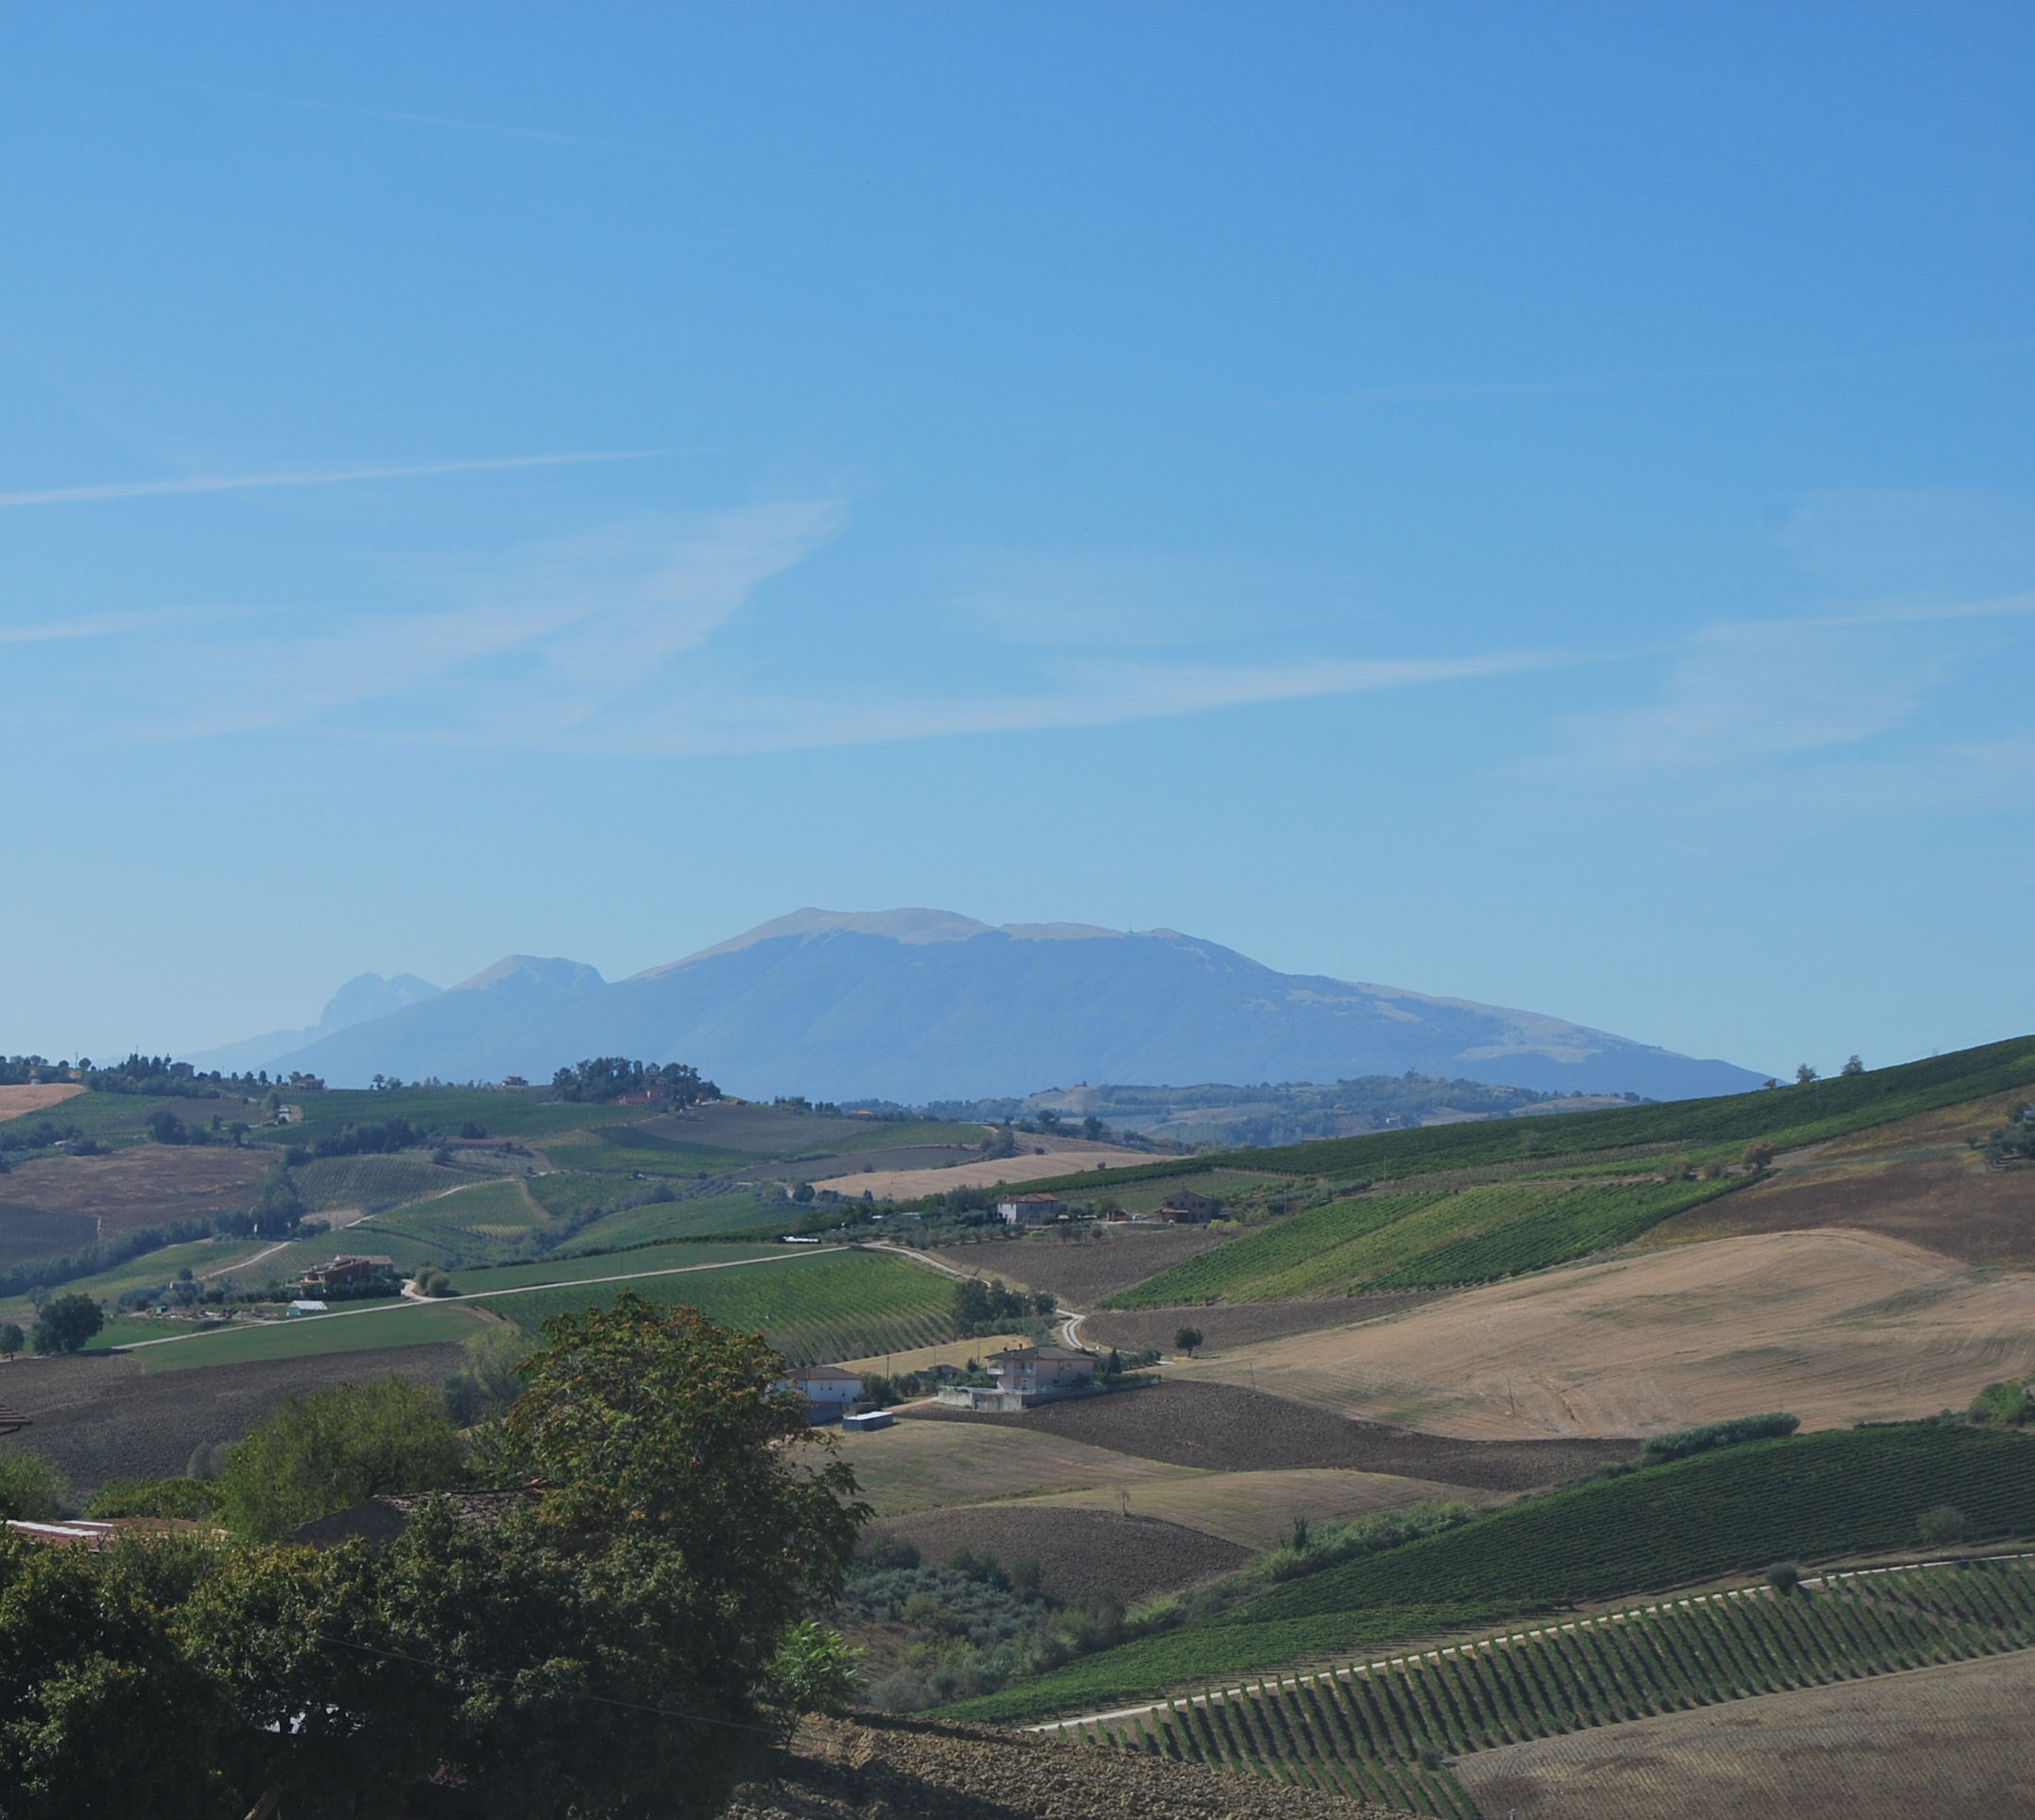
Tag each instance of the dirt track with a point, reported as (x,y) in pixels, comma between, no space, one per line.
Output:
(1227,1426)
(1950,1741)
(1083,1552)
(1836,1326)
(99,1417)
(916,1769)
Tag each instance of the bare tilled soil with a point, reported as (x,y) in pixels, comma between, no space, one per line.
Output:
(99,1417)
(1945,1740)
(1225,1329)
(1082,1272)
(922,1769)
(1084,1552)
(147,1184)
(1230,1429)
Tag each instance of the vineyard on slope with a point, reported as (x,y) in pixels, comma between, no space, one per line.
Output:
(1377,1730)
(1382,1241)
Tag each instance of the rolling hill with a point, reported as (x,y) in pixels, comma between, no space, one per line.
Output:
(916,1004)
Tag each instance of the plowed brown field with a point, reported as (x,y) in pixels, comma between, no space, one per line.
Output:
(1950,1741)
(1836,1326)
(146,1184)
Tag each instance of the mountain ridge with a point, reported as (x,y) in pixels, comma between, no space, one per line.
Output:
(913,1004)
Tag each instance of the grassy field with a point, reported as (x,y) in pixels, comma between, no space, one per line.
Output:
(414,1324)
(1359,1731)
(1383,1241)
(1811,1497)
(151,1268)
(623,1148)
(811,1305)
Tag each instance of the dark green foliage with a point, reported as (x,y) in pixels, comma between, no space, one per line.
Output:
(991,1306)
(185,1499)
(606,1078)
(11,1339)
(66,1323)
(1186,1339)
(2006,1404)
(333,1447)
(32,1489)
(1678,1444)
(1783,1576)
(1942,1524)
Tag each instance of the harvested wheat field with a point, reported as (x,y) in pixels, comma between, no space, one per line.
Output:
(17,1102)
(1836,1326)
(926,1466)
(1042,1157)
(1950,1740)
(920,1769)
(1083,1552)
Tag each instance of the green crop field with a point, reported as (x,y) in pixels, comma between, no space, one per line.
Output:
(149,1271)
(740,1212)
(1810,1497)
(1361,1730)
(1376,1242)
(497,1113)
(623,1148)
(496,1212)
(564,1268)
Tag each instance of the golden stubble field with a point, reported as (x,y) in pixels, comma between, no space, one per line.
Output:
(17,1102)
(1948,1741)
(1836,1326)
(1037,1159)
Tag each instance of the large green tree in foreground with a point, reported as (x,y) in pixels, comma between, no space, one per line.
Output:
(604,1650)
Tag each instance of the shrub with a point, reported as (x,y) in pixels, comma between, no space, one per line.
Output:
(187,1498)
(1680,1443)
(32,1489)
(2006,1404)
(1941,1524)
(888,1551)
(1784,1577)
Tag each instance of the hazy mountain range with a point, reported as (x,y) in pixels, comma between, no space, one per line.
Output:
(919,1005)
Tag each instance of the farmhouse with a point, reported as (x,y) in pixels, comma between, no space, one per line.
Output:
(348,1276)
(1030,1210)
(1183,1207)
(1025,1375)
(827,1389)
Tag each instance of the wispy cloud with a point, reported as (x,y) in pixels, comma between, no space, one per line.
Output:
(313,476)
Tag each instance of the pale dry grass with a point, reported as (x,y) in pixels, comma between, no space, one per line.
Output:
(1945,1740)
(926,1465)
(1836,1326)
(1256,1509)
(16,1101)
(1064,1156)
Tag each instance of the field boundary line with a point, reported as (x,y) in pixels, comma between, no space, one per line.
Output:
(1503,1639)
(484,1294)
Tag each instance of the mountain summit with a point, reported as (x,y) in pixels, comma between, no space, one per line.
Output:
(916,1004)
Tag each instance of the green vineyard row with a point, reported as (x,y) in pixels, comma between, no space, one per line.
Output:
(1377,1242)
(1379,1730)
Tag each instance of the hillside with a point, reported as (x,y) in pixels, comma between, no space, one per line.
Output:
(916,1005)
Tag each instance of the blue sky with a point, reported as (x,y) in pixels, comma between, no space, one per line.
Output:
(1528,504)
